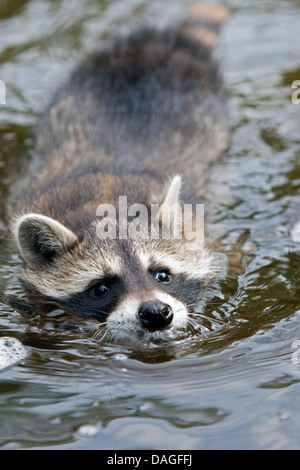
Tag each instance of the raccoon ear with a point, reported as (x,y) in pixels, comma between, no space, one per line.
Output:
(169,212)
(173,192)
(40,238)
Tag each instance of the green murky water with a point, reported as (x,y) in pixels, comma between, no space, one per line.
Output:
(237,385)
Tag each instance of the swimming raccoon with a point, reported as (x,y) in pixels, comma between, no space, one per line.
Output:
(141,119)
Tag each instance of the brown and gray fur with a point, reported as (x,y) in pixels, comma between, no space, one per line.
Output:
(130,119)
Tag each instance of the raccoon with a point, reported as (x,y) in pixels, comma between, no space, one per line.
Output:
(142,118)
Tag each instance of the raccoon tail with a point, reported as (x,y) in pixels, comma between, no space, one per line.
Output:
(203,23)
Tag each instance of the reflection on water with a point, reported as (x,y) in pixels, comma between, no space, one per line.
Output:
(234,382)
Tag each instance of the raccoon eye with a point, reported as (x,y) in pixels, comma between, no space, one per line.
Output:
(100,290)
(163,276)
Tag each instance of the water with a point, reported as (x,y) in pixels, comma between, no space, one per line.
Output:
(234,384)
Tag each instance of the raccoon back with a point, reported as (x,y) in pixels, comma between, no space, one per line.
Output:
(150,106)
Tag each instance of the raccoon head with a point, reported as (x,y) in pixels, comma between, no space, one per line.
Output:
(141,284)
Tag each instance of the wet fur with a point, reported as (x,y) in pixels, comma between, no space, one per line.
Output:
(132,116)
(148,107)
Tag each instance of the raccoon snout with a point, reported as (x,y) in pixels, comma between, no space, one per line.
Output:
(155,315)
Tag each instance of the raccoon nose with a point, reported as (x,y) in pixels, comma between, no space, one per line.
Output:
(155,315)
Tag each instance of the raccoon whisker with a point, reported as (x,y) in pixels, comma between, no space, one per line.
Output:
(191,306)
(193,325)
(106,337)
(114,334)
(200,315)
(209,303)
(97,334)
(198,327)
(100,330)
(111,334)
